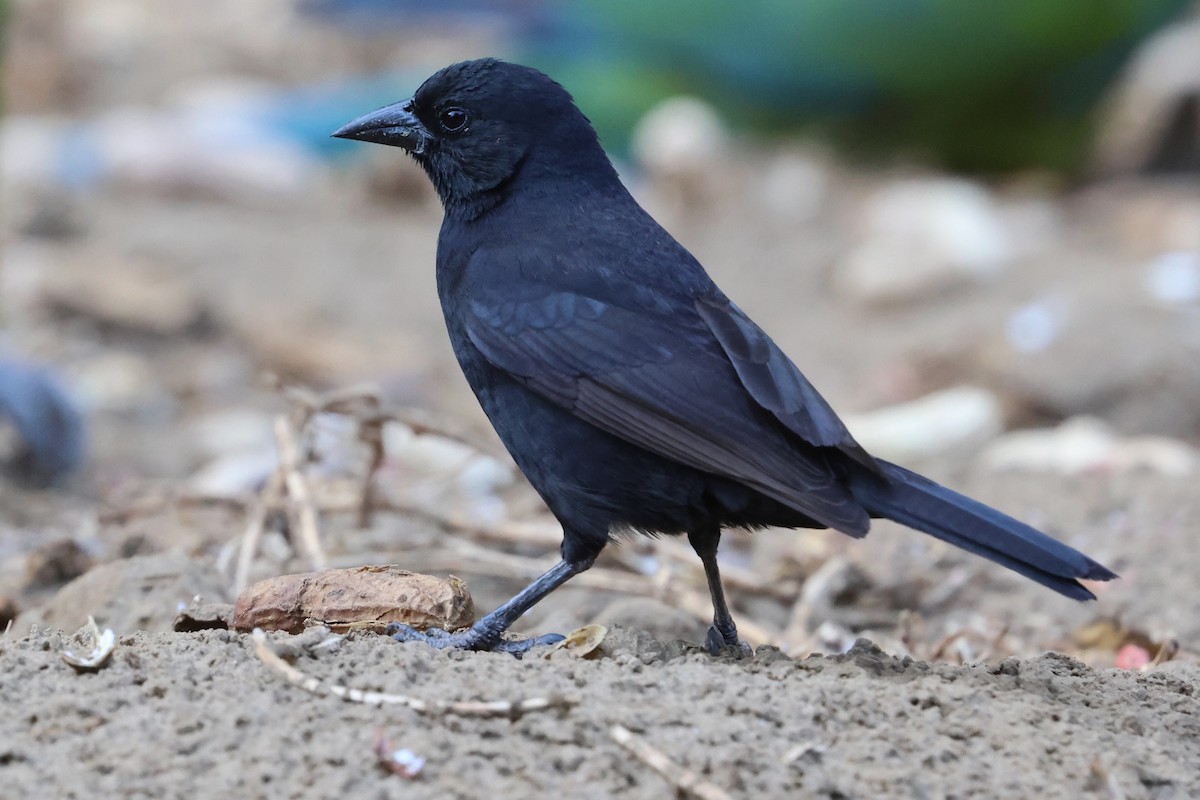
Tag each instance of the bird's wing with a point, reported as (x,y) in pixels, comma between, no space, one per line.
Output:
(657,380)
(775,382)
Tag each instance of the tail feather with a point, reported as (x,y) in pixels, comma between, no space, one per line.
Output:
(916,501)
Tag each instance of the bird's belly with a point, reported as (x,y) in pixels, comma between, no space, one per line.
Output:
(593,481)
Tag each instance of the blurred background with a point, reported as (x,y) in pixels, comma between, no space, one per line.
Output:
(976,227)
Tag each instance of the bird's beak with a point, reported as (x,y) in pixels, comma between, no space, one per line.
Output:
(394,125)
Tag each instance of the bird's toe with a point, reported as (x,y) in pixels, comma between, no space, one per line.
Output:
(470,639)
(717,644)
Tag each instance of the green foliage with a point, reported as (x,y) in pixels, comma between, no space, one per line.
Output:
(976,85)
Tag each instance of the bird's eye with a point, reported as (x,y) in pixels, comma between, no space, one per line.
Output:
(453,120)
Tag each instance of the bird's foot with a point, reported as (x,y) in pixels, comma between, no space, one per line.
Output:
(718,643)
(470,639)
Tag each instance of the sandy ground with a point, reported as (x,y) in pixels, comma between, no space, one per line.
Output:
(197,715)
(333,284)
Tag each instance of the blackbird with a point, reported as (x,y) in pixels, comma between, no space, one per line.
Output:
(631,392)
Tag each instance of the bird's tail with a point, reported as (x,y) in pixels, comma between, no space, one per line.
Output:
(916,501)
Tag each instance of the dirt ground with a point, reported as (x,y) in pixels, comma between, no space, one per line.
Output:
(163,297)
(197,715)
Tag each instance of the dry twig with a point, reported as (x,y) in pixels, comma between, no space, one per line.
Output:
(302,512)
(467,708)
(683,779)
(1101,776)
(272,495)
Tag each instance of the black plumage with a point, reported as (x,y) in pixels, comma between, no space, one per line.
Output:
(629,389)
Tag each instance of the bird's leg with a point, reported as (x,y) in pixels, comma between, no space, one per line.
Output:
(487,633)
(723,633)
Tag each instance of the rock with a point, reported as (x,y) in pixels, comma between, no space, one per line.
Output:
(8,611)
(1085,444)
(1148,218)
(1038,324)
(239,448)
(201,615)
(120,382)
(795,187)
(1173,278)
(363,597)
(680,144)
(123,294)
(302,350)
(947,421)
(1102,351)
(55,563)
(220,432)
(679,136)
(235,473)
(41,71)
(211,146)
(1147,125)
(919,237)
(439,471)
(426,456)
(139,593)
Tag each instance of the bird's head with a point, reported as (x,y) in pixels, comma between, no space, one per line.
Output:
(474,126)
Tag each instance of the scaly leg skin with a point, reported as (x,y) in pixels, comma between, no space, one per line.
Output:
(722,636)
(488,633)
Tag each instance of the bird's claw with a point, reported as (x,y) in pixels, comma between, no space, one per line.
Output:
(519,647)
(717,644)
(470,639)
(434,637)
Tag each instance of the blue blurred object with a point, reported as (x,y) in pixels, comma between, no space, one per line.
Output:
(306,115)
(270,138)
(978,85)
(49,426)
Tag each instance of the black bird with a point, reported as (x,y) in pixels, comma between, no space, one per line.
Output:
(633,394)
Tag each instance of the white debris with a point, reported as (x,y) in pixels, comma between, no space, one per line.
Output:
(120,381)
(1085,444)
(1174,278)
(102,647)
(795,187)
(947,421)
(410,761)
(679,136)
(437,471)
(214,139)
(235,473)
(1036,325)
(919,237)
(235,430)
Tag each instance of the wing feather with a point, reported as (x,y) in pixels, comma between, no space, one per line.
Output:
(661,383)
(775,382)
